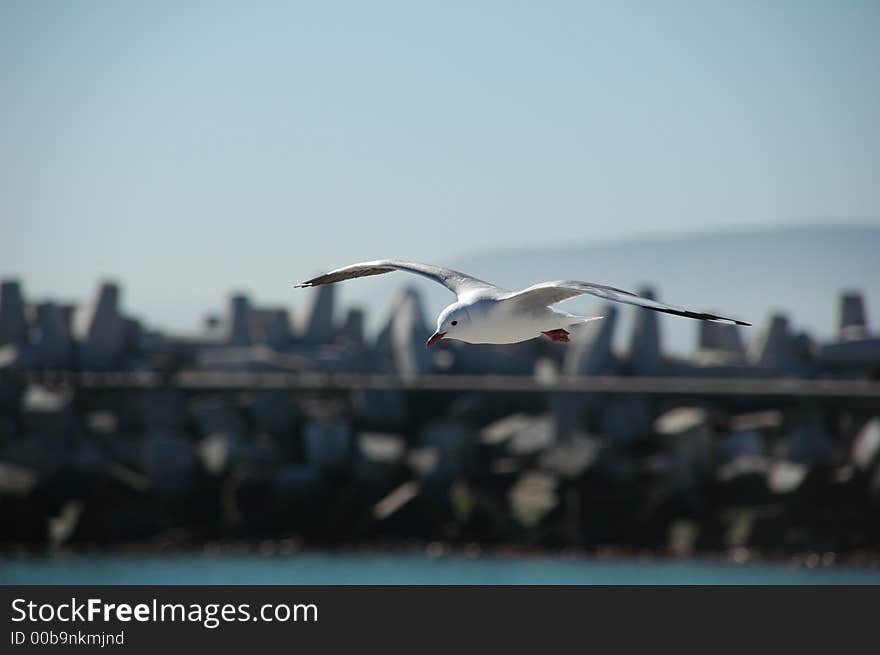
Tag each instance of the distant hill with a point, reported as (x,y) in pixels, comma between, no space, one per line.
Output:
(799,270)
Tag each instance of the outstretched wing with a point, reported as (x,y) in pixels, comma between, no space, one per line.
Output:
(455,281)
(549,293)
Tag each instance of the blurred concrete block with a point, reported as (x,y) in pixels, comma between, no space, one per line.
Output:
(396,500)
(385,406)
(134,335)
(504,466)
(125,473)
(273,412)
(17,480)
(40,447)
(400,344)
(53,345)
(212,327)
(381,447)
(102,422)
(292,483)
(867,444)
(785,477)
(352,330)
(681,419)
(625,418)
(214,452)
(523,434)
(808,444)
(240,321)
(423,461)
(875,485)
(10,398)
(682,537)
(328,444)
(216,414)
(572,457)
(462,500)
(852,323)
(62,526)
(273,327)
(316,327)
(723,340)
(223,452)
(740,524)
(383,352)
(644,346)
(477,359)
(745,442)
(763,420)
(533,497)
(744,465)
(259,357)
(41,399)
(169,460)
(13,323)
(804,350)
(68,314)
(157,409)
(855,354)
(590,351)
(14,356)
(381,459)
(545,371)
(89,458)
(774,348)
(455,444)
(104,329)
(690,432)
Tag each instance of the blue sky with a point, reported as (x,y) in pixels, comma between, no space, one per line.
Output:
(191,149)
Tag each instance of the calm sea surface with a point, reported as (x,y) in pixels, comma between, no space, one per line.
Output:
(335,568)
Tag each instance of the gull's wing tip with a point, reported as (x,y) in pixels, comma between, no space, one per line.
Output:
(302,285)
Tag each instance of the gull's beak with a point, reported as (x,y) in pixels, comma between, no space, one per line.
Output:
(434,339)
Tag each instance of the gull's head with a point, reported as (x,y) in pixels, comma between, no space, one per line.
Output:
(450,323)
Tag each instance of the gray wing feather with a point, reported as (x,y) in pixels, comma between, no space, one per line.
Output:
(455,281)
(549,293)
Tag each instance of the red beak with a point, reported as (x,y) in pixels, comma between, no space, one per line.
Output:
(434,339)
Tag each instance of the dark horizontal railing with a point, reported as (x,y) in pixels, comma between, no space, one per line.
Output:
(227,380)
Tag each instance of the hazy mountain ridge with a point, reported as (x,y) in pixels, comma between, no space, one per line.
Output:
(809,232)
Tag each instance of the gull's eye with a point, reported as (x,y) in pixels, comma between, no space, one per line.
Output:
(454,323)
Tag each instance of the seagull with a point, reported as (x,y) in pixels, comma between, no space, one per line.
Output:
(486,313)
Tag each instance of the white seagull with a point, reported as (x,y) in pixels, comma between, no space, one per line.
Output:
(485,313)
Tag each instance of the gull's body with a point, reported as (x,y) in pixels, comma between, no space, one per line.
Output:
(485,313)
(494,320)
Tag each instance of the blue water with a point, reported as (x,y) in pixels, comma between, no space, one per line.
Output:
(333,568)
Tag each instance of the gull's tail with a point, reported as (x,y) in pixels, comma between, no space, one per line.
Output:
(578,320)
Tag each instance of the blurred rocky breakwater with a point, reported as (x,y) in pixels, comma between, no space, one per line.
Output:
(655,468)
